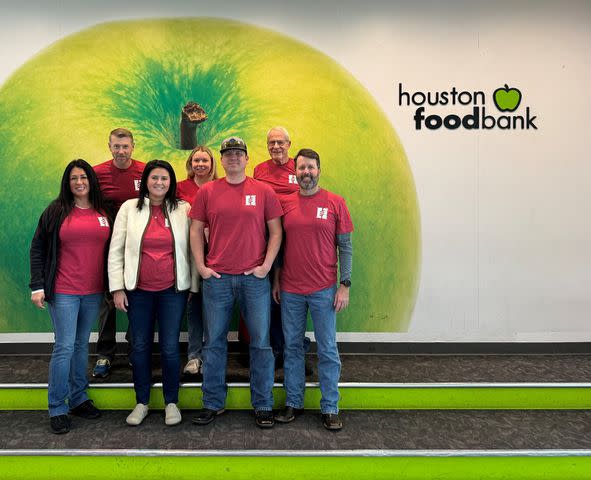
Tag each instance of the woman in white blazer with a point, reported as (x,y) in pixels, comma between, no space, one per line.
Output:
(150,275)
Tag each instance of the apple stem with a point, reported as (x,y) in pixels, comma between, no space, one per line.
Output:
(192,115)
(188,135)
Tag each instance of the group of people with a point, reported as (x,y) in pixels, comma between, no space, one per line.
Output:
(161,248)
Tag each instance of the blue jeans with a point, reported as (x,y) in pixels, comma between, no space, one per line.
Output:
(195,326)
(219,296)
(169,306)
(72,317)
(294,311)
(276,332)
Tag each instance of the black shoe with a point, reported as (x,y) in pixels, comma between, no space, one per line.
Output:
(60,424)
(86,410)
(207,416)
(331,421)
(264,418)
(288,414)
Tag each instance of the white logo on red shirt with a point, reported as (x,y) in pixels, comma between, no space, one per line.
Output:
(322,213)
(292,179)
(251,200)
(136,184)
(103,222)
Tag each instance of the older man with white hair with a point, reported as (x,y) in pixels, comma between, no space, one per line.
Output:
(279,173)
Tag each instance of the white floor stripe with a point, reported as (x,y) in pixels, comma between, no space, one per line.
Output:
(296,453)
(343,385)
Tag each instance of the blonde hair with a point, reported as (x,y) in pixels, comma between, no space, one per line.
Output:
(213,174)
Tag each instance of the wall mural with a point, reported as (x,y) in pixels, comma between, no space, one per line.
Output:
(139,75)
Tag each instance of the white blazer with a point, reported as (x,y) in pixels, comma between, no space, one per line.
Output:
(128,232)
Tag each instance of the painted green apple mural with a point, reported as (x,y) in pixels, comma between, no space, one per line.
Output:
(138,74)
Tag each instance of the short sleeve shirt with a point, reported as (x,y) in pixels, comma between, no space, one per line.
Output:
(81,260)
(237,216)
(281,178)
(311,225)
(187,190)
(119,185)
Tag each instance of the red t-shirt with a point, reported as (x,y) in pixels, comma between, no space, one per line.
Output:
(81,259)
(311,224)
(281,178)
(119,185)
(237,216)
(157,262)
(187,190)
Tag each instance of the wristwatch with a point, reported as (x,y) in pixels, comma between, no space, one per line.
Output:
(346,283)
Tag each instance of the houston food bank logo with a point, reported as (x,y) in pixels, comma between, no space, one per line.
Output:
(505,99)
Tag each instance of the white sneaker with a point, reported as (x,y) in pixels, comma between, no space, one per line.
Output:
(172,415)
(137,415)
(193,366)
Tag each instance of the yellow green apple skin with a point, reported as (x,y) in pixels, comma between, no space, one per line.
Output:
(62,103)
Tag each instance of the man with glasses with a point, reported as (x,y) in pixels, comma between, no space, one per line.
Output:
(119,179)
(279,170)
(279,173)
(238,211)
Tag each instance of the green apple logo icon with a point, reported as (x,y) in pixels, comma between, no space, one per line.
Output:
(507,99)
(139,74)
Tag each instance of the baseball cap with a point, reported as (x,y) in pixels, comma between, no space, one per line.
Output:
(233,143)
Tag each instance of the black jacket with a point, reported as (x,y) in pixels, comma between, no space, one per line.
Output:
(45,248)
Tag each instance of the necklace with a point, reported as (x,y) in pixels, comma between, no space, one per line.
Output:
(155,212)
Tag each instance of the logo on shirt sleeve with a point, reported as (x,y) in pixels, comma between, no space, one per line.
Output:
(251,200)
(136,184)
(292,179)
(322,213)
(103,222)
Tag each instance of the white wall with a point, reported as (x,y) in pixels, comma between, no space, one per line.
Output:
(505,214)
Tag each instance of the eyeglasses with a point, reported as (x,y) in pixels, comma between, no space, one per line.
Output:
(279,143)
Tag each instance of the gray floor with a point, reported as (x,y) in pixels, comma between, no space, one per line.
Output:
(360,368)
(236,430)
(381,430)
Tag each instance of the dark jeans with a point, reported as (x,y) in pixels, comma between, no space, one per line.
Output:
(195,326)
(169,307)
(106,344)
(276,332)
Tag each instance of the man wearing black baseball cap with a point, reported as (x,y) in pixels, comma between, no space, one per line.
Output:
(238,211)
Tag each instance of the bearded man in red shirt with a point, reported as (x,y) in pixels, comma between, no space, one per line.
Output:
(318,228)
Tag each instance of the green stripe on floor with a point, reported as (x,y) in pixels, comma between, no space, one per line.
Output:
(286,468)
(352,398)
